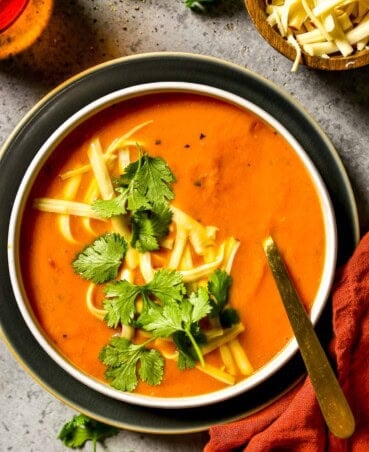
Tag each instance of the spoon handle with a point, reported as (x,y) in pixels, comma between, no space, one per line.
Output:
(331,399)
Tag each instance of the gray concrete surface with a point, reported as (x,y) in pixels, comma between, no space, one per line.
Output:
(86,32)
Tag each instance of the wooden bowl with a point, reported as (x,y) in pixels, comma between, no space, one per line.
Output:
(256,10)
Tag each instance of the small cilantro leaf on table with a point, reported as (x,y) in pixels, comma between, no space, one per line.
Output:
(100,261)
(80,429)
(198,4)
(125,359)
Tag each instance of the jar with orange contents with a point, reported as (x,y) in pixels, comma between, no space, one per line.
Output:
(21,23)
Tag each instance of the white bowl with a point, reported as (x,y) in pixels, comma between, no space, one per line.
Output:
(49,146)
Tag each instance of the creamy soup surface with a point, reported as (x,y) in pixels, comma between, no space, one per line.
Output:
(232,171)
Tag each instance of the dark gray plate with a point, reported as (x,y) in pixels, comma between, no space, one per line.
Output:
(52,111)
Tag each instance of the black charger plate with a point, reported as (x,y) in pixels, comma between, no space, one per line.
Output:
(67,99)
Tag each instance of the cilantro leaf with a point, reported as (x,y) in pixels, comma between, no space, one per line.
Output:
(174,317)
(218,285)
(149,178)
(149,226)
(200,302)
(107,208)
(100,261)
(186,355)
(198,4)
(122,359)
(166,286)
(121,295)
(80,429)
(185,361)
(229,317)
(152,367)
(163,321)
(120,302)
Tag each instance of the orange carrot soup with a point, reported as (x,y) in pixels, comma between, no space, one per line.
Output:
(141,244)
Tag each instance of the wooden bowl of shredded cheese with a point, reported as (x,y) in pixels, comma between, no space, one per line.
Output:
(321,34)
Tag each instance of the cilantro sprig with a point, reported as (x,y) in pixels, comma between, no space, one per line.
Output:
(148,178)
(168,311)
(177,315)
(143,184)
(125,360)
(143,192)
(121,296)
(149,226)
(173,318)
(107,208)
(219,285)
(100,261)
(80,429)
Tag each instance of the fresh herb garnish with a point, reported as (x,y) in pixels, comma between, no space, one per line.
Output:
(80,429)
(143,190)
(229,317)
(218,286)
(198,4)
(121,295)
(186,355)
(174,317)
(167,311)
(149,226)
(100,261)
(107,208)
(148,178)
(125,360)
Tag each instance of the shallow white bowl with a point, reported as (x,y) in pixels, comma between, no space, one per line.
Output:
(48,148)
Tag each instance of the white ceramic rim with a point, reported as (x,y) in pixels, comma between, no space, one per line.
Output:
(281,358)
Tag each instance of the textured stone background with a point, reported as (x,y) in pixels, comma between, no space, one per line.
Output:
(86,32)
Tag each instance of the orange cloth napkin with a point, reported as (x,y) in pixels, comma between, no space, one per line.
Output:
(294,422)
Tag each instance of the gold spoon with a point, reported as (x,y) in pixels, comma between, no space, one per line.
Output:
(331,399)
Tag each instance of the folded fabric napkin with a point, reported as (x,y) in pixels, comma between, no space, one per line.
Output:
(294,422)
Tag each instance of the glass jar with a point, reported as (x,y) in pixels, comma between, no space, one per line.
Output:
(21,23)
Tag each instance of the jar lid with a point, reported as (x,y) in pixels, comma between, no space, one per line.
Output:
(9,11)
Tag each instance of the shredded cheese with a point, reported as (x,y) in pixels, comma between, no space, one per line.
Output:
(322,28)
